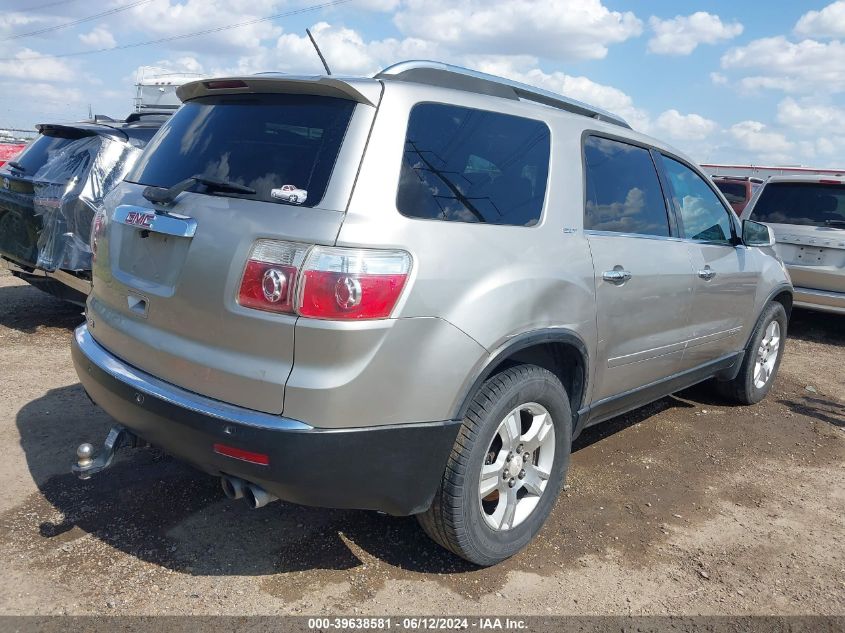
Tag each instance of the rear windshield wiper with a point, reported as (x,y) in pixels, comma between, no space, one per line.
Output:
(16,165)
(161,195)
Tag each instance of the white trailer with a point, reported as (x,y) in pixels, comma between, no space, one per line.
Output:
(155,88)
(763,172)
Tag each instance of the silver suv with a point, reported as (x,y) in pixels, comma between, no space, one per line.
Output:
(807,214)
(474,271)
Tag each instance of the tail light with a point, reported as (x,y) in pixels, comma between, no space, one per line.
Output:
(342,283)
(269,279)
(98,229)
(323,282)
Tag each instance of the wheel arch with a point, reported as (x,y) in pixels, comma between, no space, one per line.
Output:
(562,352)
(783,296)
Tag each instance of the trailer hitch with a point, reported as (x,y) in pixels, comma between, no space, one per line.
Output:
(87,465)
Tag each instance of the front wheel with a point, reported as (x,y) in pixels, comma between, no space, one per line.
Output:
(506,468)
(762,359)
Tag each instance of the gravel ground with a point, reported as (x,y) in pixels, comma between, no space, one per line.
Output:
(686,506)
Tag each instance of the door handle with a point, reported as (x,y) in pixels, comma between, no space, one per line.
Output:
(707,273)
(616,276)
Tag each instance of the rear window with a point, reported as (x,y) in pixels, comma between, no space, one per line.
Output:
(282,146)
(813,204)
(734,191)
(467,165)
(37,153)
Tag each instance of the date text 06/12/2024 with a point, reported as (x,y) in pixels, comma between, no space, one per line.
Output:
(416,623)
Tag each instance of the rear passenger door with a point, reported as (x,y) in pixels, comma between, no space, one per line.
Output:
(725,275)
(643,276)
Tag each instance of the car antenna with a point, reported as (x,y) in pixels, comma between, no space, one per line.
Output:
(322,59)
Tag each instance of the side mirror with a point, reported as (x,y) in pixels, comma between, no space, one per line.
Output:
(757,234)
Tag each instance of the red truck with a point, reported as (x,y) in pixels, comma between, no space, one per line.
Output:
(9,150)
(738,190)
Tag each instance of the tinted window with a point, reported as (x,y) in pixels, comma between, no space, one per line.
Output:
(734,191)
(37,153)
(623,191)
(469,165)
(259,141)
(813,204)
(702,213)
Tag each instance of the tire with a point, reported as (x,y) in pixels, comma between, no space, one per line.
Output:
(749,387)
(458,518)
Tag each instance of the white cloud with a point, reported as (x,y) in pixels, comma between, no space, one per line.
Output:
(684,127)
(776,63)
(29,64)
(718,79)
(377,5)
(183,64)
(10,20)
(681,35)
(99,37)
(171,17)
(829,22)
(345,50)
(47,96)
(811,117)
(754,137)
(561,29)
(831,147)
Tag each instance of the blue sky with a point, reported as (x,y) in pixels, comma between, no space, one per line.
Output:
(724,81)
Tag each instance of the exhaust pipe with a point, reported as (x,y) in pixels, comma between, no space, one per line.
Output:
(257,497)
(233,487)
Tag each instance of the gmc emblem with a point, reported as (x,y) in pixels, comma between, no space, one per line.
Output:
(137,218)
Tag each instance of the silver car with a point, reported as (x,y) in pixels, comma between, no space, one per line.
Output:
(480,271)
(807,214)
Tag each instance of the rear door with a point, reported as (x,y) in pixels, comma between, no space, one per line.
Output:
(643,275)
(726,277)
(167,277)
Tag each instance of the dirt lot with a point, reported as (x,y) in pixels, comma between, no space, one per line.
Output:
(685,506)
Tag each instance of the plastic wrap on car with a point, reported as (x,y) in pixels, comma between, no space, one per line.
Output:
(18,231)
(69,189)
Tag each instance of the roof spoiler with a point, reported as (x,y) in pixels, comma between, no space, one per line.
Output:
(282,83)
(73,132)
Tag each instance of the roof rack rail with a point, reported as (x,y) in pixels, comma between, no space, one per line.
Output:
(458,78)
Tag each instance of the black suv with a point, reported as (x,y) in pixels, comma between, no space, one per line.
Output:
(49,194)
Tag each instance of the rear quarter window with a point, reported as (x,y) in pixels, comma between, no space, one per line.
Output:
(284,146)
(467,165)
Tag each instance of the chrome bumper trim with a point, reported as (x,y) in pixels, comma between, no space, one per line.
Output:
(824,300)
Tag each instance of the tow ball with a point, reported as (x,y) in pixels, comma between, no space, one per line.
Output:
(87,465)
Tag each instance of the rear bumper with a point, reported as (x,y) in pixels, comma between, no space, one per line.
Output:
(822,300)
(394,468)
